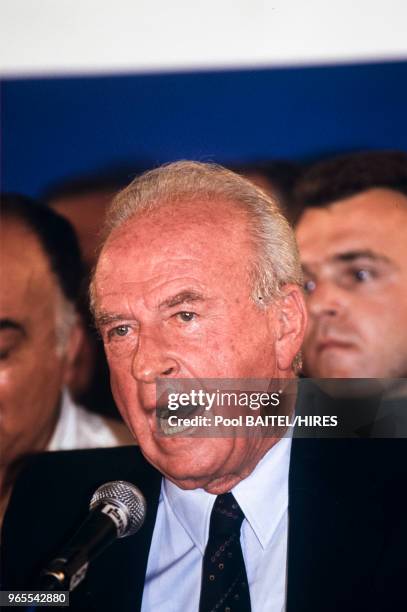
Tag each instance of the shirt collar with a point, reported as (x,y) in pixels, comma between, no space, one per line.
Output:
(65,424)
(262,496)
(192,509)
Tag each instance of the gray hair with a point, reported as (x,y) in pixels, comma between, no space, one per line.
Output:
(276,262)
(66,318)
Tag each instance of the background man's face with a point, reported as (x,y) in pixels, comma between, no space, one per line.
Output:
(354,255)
(31,371)
(173,300)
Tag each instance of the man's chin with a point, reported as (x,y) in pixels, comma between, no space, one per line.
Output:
(184,472)
(211,484)
(180,474)
(187,483)
(338,366)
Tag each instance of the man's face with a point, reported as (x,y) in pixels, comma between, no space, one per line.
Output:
(173,300)
(31,370)
(354,255)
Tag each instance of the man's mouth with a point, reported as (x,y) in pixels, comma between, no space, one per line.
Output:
(334,344)
(181,416)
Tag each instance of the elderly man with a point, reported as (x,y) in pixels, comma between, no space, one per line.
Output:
(40,332)
(199,279)
(352,240)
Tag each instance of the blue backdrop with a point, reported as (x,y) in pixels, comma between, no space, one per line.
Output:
(55,128)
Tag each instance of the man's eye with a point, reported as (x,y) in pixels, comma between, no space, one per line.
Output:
(119,331)
(186,316)
(362,275)
(10,341)
(309,286)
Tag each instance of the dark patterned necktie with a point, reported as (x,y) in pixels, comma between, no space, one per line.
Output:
(224,581)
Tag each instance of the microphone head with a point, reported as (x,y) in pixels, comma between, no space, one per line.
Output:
(128,499)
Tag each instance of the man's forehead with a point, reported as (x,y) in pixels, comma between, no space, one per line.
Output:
(181,231)
(155,282)
(19,244)
(160,290)
(25,266)
(147,259)
(32,287)
(182,214)
(372,221)
(376,203)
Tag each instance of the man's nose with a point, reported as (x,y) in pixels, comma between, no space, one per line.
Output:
(152,361)
(326,300)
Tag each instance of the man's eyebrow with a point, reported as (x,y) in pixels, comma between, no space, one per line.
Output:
(349,256)
(6,324)
(105,318)
(180,298)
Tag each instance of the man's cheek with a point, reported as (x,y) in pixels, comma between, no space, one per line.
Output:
(5,378)
(16,389)
(121,386)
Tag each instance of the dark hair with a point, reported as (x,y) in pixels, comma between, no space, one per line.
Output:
(342,177)
(56,236)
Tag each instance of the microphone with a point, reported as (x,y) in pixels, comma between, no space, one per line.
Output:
(117,510)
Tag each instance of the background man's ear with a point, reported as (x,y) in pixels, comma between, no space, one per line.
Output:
(291,314)
(75,349)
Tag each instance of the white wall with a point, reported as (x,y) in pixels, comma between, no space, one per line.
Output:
(91,36)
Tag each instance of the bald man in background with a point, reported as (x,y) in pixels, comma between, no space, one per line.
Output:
(40,335)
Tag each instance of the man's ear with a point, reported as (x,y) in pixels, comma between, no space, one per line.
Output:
(291,316)
(73,352)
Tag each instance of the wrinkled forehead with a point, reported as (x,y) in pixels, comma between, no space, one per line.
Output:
(180,215)
(173,239)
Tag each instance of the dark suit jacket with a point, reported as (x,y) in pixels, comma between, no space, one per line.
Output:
(347,541)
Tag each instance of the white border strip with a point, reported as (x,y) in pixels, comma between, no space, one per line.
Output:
(44,37)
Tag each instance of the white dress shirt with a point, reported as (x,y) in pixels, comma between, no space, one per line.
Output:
(78,428)
(173,579)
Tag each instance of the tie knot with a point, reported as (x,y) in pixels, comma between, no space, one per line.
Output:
(227,516)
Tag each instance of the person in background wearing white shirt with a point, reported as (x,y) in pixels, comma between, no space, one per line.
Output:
(40,333)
